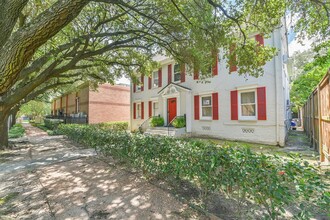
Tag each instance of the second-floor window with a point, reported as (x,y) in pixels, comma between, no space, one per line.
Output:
(206,107)
(155,79)
(177,73)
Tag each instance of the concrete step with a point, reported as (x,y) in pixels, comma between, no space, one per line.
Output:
(163,131)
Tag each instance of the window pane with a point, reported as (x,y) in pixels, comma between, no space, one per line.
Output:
(206,111)
(176,68)
(247,97)
(206,101)
(249,110)
(155,79)
(177,73)
(177,76)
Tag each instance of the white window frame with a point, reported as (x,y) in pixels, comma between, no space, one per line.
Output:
(138,110)
(247,118)
(153,109)
(155,73)
(201,107)
(177,73)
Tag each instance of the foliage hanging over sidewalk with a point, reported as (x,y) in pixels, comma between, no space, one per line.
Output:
(268,181)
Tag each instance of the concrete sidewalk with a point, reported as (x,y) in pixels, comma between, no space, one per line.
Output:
(63,181)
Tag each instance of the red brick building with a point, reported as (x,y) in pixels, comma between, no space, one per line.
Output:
(109,103)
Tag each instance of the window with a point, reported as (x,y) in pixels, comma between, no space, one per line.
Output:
(177,73)
(247,105)
(155,109)
(155,79)
(138,88)
(206,107)
(138,110)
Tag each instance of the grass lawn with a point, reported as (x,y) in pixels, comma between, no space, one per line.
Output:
(297,143)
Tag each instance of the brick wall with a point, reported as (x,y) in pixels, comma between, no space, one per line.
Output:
(109,103)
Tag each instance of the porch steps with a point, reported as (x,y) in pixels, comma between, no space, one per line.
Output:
(162,131)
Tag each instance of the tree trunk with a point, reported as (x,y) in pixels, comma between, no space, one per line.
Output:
(3,130)
(13,113)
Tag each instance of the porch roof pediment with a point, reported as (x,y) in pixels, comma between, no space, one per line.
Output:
(172,88)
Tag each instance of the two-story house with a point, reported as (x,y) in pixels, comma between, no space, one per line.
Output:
(226,106)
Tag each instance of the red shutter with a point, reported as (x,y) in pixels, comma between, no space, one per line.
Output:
(216,64)
(196,106)
(215,106)
(142,83)
(134,110)
(195,74)
(150,109)
(134,87)
(149,83)
(142,110)
(234,105)
(169,74)
(160,77)
(260,39)
(233,66)
(261,97)
(183,72)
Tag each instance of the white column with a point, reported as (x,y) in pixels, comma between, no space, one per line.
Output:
(188,111)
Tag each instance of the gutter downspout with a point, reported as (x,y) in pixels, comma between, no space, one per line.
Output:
(276,94)
(130,105)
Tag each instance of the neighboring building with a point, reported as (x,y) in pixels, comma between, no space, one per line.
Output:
(108,103)
(228,106)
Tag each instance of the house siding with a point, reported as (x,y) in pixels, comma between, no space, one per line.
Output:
(272,131)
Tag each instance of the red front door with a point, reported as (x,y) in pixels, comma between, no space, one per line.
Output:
(171,109)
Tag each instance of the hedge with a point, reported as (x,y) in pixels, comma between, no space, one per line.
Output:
(118,125)
(268,182)
(16,131)
(52,124)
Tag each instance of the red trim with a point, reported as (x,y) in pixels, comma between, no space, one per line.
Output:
(233,66)
(169,74)
(160,77)
(196,107)
(215,105)
(260,39)
(149,83)
(134,87)
(196,74)
(142,82)
(183,72)
(142,110)
(150,109)
(134,110)
(234,105)
(261,97)
(215,66)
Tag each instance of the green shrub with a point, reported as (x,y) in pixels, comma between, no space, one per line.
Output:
(268,181)
(16,131)
(157,121)
(118,125)
(179,122)
(52,124)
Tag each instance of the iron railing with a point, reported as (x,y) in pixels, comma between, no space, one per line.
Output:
(70,119)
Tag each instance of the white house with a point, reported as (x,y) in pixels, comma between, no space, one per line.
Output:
(227,106)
